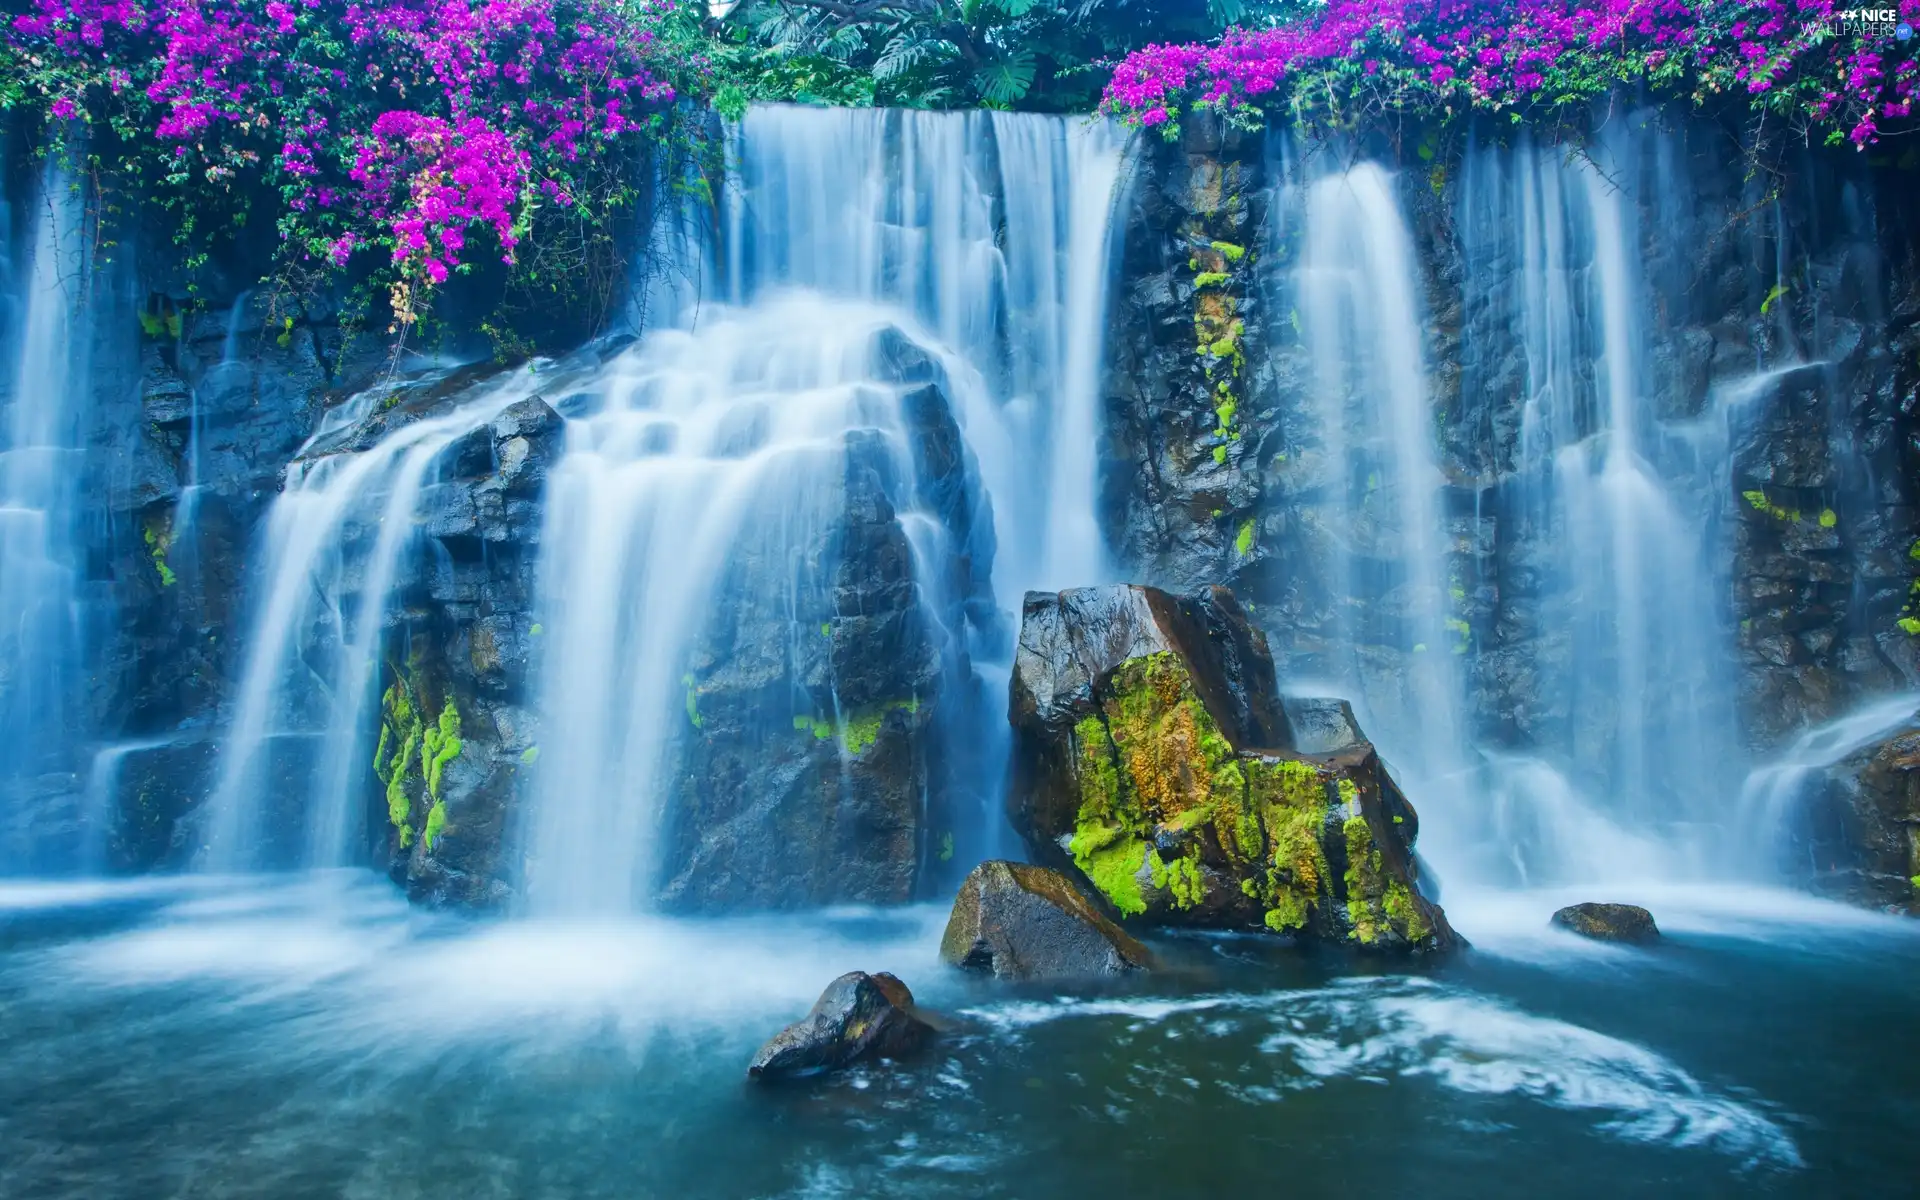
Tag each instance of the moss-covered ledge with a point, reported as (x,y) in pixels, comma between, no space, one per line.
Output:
(1134,781)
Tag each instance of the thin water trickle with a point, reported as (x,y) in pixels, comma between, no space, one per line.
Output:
(226,373)
(1360,314)
(40,554)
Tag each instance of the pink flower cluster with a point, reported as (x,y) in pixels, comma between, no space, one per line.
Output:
(1795,56)
(404,122)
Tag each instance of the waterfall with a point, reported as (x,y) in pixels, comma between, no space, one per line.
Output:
(40,555)
(293,770)
(1633,696)
(709,474)
(989,229)
(708,478)
(1612,676)
(1381,540)
(897,354)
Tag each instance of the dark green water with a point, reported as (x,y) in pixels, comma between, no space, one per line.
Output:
(314,1038)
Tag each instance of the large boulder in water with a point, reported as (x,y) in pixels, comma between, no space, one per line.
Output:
(1608,922)
(1018,921)
(1152,756)
(859,1016)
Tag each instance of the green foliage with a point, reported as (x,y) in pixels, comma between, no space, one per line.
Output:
(420,754)
(158,535)
(1044,55)
(693,700)
(440,744)
(436,822)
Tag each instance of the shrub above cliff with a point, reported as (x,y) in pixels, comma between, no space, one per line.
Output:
(1800,65)
(419,134)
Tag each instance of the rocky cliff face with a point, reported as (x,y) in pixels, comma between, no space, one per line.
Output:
(195,416)
(1218,470)
(1780,364)
(456,736)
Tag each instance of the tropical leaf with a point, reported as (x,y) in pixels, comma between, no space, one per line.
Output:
(1226,12)
(843,43)
(902,53)
(1006,79)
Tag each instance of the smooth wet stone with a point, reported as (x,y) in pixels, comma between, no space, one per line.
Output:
(1017,921)
(1609,922)
(858,1017)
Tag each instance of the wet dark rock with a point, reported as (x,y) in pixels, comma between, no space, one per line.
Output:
(155,790)
(1070,640)
(1608,922)
(1859,825)
(1018,921)
(859,1017)
(805,764)
(460,655)
(1152,760)
(1323,726)
(827,767)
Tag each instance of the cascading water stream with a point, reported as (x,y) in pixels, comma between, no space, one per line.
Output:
(958,277)
(40,559)
(1359,313)
(1613,503)
(301,713)
(1621,504)
(712,452)
(981,239)
(1772,792)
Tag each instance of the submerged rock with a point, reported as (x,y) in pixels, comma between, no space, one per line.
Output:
(1153,758)
(1018,921)
(859,1016)
(1609,922)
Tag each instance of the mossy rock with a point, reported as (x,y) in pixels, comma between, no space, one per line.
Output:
(1609,922)
(1152,759)
(1018,921)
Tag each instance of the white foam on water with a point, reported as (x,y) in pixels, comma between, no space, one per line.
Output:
(1385,1028)
(25,895)
(372,975)
(1517,924)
